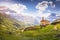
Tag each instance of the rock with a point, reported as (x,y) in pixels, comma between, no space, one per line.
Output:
(58,35)
(30,28)
(56,21)
(16,24)
(8,32)
(1,38)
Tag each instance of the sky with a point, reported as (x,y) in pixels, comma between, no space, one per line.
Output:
(35,9)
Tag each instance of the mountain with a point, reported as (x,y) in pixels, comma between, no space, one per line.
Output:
(9,30)
(27,19)
(9,22)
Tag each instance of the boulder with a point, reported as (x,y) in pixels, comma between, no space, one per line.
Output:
(30,28)
(56,21)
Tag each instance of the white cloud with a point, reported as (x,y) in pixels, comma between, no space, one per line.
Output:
(42,6)
(31,0)
(20,11)
(43,14)
(18,8)
(52,4)
(3,8)
(57,13)
(7,0)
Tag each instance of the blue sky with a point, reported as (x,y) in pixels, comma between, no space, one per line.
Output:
(32,3)
(50,9)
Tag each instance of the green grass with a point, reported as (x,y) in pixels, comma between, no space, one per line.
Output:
(46,33)
(9,32)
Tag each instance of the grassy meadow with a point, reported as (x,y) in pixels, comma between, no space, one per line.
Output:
(8,31)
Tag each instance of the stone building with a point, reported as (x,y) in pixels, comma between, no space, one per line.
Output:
(44,22)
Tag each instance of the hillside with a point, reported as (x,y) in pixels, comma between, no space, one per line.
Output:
(9,31)
(7,20)
(9,27)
